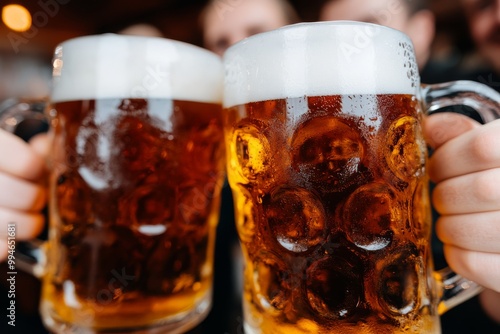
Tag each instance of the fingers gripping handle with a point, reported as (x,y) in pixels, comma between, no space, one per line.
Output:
(455,289)
(30,256)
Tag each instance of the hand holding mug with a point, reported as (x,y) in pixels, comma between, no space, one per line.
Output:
(136,165)
(23,195)
(467,198)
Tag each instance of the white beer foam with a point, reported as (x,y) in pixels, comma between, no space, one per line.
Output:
(321,58)
(116,66)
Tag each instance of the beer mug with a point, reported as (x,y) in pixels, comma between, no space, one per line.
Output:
(327,163)
(136,167)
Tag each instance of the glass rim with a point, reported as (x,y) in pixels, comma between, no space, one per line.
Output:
(125,66)
(306,25)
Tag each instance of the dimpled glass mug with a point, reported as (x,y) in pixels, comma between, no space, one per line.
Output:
(136,168)
(327,163)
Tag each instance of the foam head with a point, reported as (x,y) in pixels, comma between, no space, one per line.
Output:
(117,66)
(317,59)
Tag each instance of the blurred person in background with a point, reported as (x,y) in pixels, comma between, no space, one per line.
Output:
(483,18)
(411,17)
(141,29)
(24,75)
(225,23)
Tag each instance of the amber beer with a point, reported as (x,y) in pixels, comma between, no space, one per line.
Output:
(135,186)
(326,161)
(336,225)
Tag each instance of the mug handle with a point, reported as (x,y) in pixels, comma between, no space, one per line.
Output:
(30,256)
(456,289)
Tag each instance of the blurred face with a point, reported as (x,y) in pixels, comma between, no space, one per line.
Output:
(226,24)
(391,13)
(484,22)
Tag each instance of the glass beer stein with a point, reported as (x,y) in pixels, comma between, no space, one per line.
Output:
(136,167)
(327,163)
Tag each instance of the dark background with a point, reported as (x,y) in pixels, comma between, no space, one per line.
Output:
(178,19)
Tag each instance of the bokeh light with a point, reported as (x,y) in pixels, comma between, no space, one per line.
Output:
(16,17)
